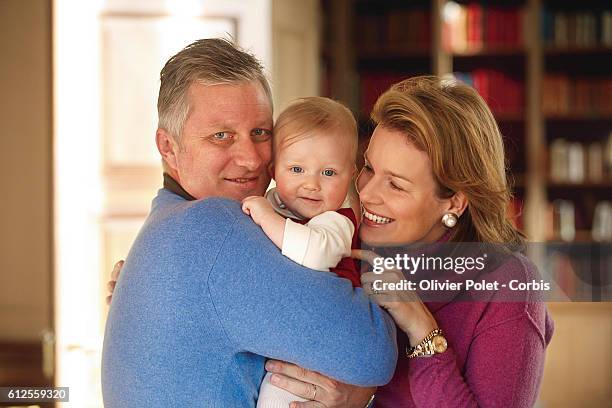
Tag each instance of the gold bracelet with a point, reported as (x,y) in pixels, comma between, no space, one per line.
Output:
(411,352)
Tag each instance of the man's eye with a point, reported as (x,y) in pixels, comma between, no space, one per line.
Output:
(329,172)
(296,169)
(221,136)
(262,134)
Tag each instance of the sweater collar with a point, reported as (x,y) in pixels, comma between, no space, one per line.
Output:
(280,207)
(173,186)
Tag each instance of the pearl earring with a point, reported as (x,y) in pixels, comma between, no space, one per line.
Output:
(449,220)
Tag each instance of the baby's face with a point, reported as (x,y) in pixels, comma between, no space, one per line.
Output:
(313,174)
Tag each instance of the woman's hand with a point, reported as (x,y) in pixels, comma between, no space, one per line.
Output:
(405,306)
(323,391)
(110,286)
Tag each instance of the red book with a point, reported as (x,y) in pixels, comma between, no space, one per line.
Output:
(474,26)
(580,101)
(492,26)
(372,86)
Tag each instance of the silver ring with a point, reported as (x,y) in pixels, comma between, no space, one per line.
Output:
(314,397)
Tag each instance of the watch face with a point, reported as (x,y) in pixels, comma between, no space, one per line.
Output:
(439,344)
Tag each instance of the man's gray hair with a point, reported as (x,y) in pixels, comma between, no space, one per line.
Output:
(210,61)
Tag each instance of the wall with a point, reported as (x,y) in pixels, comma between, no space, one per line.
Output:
(25,207)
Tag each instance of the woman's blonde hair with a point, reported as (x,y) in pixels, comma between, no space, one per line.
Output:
(315,113)
(450,122)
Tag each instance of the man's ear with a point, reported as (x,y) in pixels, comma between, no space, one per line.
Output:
(457,203)
(168,148)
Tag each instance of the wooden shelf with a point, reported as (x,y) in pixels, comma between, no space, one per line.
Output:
(571,51)
(393,51)
(509,117)
(605,185)
(370,6)
(491,51)
(579,117)
(582,237)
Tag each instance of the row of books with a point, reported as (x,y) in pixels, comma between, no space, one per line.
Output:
(562,29)
(372,85)
(574,162)
(504,93)
(564,219)
(563,95)
(396,30)
(472,27)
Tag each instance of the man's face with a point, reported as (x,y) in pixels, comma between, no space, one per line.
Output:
(227,141)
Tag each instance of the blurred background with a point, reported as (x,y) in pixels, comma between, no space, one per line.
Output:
(79,83)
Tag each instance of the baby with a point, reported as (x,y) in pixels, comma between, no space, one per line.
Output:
(308,214)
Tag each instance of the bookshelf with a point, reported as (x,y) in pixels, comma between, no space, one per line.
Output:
(551,63)
(544,67)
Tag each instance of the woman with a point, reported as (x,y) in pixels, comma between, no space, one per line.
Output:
(434,172)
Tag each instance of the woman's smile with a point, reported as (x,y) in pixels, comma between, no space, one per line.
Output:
(372,219)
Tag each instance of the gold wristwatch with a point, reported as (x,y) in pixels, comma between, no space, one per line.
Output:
(434,343)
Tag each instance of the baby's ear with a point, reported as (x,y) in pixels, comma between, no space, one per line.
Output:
(271,170)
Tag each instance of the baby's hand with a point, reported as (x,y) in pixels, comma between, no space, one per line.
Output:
(259,208)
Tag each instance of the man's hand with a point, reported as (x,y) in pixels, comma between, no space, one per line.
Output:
(259,208)
(110,286)
(324,392)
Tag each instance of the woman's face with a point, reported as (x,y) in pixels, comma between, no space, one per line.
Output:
(398,193)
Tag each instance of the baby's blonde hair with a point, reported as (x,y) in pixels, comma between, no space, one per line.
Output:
(305,115)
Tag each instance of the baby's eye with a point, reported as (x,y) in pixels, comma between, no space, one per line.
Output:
(329,172)
(296,169)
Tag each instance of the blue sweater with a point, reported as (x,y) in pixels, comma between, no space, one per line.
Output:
(204,297)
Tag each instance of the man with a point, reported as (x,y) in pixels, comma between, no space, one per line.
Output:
(202,282)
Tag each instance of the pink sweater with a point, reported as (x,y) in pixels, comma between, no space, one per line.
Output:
(495,355)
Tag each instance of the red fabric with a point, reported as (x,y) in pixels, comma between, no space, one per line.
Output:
(347,267)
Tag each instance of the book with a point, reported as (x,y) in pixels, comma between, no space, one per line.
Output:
(562,95)
(575,163)
(559,160)
(564,221)
(595,162)
(474,27)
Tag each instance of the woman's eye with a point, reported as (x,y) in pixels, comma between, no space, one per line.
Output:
(367,167)
(296,169)
(395,186)
(328,172)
